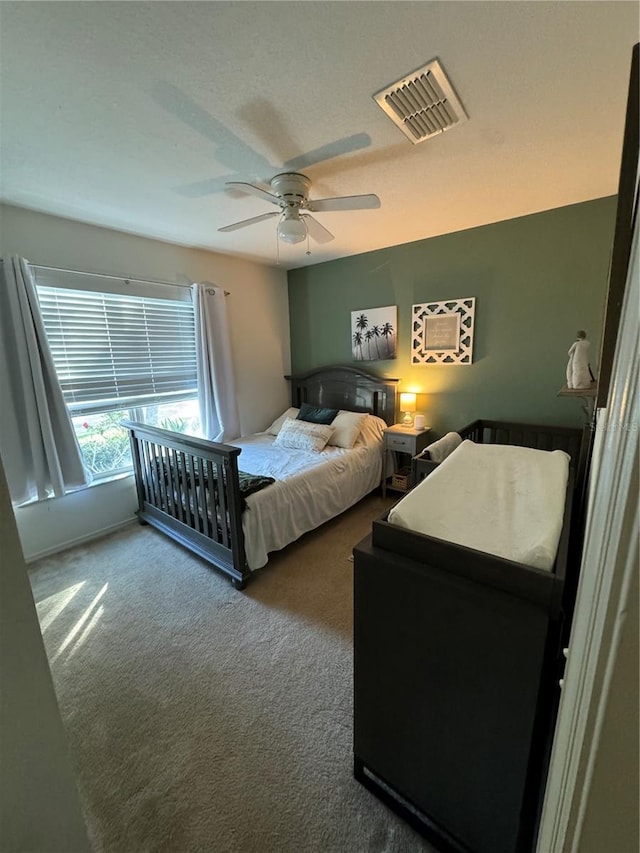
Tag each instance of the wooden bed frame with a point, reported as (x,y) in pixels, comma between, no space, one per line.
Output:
(456,669)
(199,481)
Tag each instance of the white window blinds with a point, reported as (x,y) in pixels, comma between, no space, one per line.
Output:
(118,350)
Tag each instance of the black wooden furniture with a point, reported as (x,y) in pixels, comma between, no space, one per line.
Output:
(457,662)
(538,436)
(347,388)
(189,488)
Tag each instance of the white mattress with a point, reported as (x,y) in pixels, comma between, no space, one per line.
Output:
(310,489)
(503,500)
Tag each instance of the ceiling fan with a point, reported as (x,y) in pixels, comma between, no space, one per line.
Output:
(290,192)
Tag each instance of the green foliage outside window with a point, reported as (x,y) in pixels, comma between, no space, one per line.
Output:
(105,444)
(173,424)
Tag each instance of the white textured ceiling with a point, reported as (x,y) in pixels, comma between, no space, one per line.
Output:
(132,115)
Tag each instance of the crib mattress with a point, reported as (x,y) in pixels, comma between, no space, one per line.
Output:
(503,500)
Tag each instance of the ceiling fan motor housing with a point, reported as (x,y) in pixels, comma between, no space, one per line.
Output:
(292,187)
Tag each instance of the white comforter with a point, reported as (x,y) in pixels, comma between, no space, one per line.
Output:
(310,489)
(503,500)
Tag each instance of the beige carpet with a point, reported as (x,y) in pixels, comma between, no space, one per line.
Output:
(200,718)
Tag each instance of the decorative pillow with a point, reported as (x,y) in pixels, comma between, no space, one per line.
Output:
(346,428)
(276,426)
(316,414)
(303,435)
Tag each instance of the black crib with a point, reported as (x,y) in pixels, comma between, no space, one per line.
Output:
(458,656)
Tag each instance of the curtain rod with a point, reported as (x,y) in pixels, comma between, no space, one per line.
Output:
(117,277)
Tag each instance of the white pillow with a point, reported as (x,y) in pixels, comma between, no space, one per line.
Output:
(276,426)
(303,435)
(346,428)
(372,430)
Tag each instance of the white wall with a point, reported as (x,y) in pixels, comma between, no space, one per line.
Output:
(259,315)
(39,805)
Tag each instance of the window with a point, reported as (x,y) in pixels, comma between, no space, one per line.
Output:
(122,349)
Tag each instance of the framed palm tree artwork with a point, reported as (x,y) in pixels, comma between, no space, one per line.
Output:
(374,333)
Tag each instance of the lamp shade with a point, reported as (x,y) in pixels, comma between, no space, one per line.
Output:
(407,402)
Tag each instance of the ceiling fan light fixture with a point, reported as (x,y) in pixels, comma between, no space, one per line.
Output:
(292,229)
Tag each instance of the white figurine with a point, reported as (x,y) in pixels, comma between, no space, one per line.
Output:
(578,370)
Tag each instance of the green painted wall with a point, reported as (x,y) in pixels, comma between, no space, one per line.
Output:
(536,279)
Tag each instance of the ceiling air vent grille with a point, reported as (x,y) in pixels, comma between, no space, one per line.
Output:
(423,103)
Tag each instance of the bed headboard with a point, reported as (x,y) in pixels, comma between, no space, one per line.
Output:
(349,388)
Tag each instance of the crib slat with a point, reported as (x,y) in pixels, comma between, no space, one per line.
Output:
(162,488)
(188,485)
(144,474)
(197,497)
(152,492)
(144,466)
(153,474)
(142,462)
(178,494)
(181,476)
(164,500)
(171,485)
(214,503)
(204,492)
(192,497)
(157,462)
(168,482)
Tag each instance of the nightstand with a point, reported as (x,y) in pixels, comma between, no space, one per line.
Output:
(401,439)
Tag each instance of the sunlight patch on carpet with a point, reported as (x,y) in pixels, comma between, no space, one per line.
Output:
(50,608)
(78,626)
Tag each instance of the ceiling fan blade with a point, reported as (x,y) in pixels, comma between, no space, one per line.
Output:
(347,202)
(316,230)
(252,189)
(251,221)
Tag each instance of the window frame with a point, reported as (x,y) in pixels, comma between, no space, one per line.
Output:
(99,283)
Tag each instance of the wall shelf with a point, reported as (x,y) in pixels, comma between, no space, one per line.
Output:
(587,395)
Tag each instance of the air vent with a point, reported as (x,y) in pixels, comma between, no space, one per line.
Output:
(422,104)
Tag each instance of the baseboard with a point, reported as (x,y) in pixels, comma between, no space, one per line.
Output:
(79,540)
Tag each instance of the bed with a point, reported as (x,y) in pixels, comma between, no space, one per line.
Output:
(233,504)
(458,651)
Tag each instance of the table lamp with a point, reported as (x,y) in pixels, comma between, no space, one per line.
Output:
(407,405)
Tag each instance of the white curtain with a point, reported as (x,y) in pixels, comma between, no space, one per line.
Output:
(38,445)
(216,385)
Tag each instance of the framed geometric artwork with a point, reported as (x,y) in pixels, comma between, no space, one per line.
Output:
(442,332)
(374,333)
